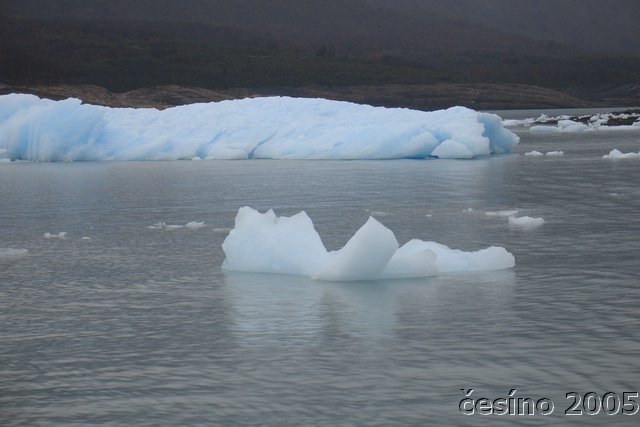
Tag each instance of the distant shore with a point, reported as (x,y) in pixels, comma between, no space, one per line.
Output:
(479,96)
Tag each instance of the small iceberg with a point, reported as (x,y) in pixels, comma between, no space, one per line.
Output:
(164,226)
(533,154)
(525,222)
(617,154)
(503,213)
(266,243)
(194,225)
(554,153)
(60,236)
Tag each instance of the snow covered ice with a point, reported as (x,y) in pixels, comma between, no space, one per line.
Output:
(266,243)
(37,129)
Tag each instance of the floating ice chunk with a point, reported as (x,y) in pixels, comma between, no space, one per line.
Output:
(563,126)
(525,222)
(468,211)
(533,154)
(617,154)
(10,253)
(165,226)
(173,227)
(267,243)
(455,261)
(61,235)
(554,153)
(273,127)
(194,225)
(502,213)
(364,257)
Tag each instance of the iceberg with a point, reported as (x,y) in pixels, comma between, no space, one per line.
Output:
(35,129)
(267,243)
(617,154)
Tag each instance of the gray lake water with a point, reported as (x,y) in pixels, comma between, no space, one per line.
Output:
(141,327)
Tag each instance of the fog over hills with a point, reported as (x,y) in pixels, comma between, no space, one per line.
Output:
(583,48)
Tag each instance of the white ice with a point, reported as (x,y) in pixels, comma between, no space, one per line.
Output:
(267,243)
(37,129)
(617,154)
(194,225)
(533,154)
(502,213)
(554,153)
(61,235)
(563,126)
(525,222)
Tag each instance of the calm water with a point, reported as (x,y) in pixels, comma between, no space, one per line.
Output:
(140,327)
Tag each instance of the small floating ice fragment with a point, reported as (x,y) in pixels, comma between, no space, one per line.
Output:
(503,213)
(173,227)
(533,154)
(194,225)
(525,222)
(61,235)
(554,153)
(617,154)
(157,226)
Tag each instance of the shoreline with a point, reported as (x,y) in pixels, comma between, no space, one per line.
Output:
(426,97)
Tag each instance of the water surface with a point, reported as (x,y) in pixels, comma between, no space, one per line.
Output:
(140,326)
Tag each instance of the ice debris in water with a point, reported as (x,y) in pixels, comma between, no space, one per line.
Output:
(61,235)
(533,154)
(173,227)
(554,153)
(266,243)
(617,154)
(164,226)
(563,126)
(37,129)
(502,213)
(525,222)
(194,225)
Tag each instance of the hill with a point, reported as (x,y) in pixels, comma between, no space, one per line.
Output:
(264,45)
